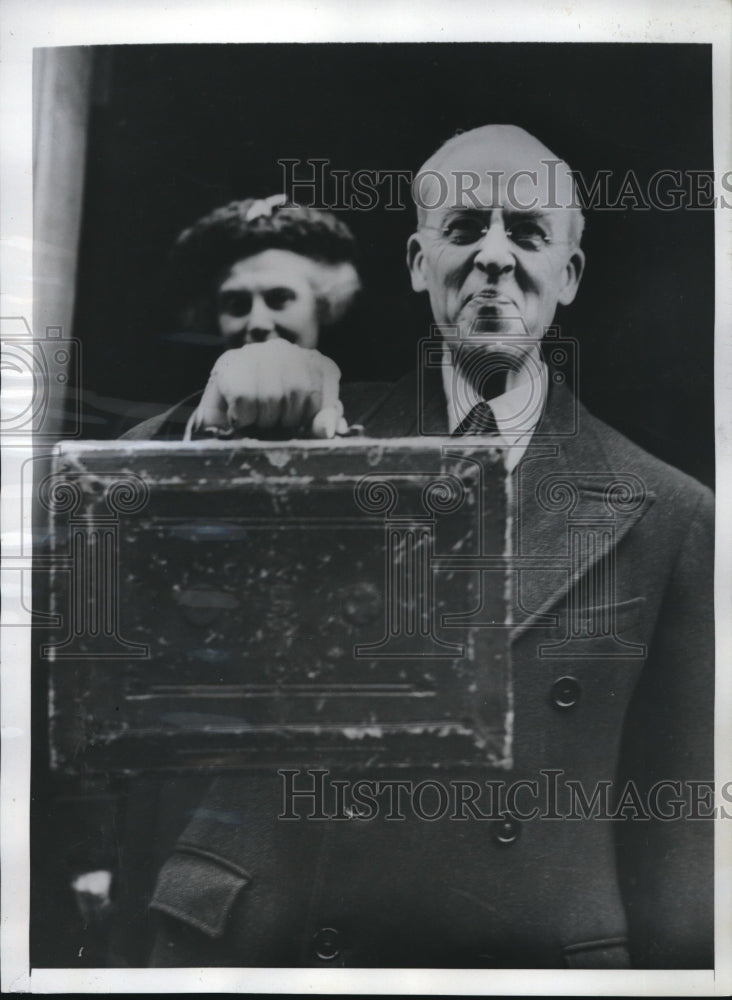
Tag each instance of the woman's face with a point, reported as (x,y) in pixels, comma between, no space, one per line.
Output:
(268,295)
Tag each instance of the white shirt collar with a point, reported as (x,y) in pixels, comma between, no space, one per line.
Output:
(517,410)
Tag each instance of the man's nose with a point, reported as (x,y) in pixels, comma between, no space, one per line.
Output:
(260,323)
(495,251)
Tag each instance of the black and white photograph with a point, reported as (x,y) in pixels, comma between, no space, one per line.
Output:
(366,450)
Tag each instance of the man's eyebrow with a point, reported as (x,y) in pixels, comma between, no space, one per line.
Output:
(468,209)
(455,212)
(527,213)
(508,211)
(516,213)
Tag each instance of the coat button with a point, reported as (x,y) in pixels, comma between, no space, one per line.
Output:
(326,943)
(506,830)
(565,693)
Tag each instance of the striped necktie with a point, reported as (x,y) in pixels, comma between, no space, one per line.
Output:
(480,420)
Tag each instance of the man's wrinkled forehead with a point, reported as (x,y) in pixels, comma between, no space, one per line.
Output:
(492,167)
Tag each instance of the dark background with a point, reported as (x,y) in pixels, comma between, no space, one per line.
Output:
(178,130)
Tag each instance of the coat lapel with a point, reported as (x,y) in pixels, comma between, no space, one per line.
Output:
(571,508)
(570,505)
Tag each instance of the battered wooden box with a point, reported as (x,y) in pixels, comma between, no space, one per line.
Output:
(224,605)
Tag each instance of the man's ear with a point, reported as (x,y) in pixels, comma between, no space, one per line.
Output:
(574,269)
(416,263)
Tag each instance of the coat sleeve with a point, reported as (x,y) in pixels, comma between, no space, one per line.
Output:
(167,426)
(666,865)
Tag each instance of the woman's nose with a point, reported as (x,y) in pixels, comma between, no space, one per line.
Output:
(260,324)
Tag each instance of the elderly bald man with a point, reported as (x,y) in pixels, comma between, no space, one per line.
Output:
(497,248)
(612,665)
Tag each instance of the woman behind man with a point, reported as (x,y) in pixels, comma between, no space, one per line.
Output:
(269,276)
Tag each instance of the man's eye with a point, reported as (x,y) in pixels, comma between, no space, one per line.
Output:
(463,231)
(278,298)
(235,304)
(528,234)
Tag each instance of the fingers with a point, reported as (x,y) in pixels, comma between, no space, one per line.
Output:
(244,387)
(212,410)
(273,385)
(238,386)
(331,380)
(329,416)
(293,409)
(329,422)
(270,395)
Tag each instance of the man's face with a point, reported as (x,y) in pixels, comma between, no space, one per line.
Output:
(493,266)
(266,296)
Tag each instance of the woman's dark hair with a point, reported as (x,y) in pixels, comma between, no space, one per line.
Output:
(206,250)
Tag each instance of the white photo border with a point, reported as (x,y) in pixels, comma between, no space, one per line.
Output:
(46,23)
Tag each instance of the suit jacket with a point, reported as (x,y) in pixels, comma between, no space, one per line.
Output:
(616,707)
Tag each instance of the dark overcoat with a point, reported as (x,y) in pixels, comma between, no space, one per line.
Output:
(619,707)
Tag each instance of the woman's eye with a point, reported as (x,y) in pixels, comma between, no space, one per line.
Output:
(235,304)
(279,297)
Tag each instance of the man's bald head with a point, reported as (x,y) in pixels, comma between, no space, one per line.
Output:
(516,163)
(497,244)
